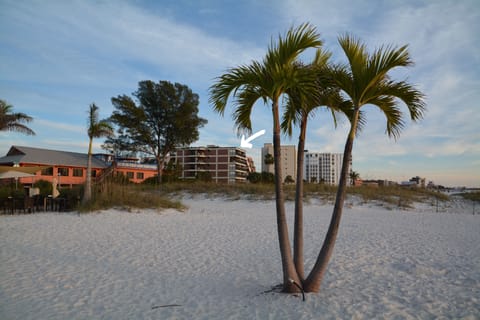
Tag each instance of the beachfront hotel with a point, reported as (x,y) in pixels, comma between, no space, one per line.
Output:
(323,167)
(219,164)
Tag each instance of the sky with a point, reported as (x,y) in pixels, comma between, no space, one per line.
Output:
(58,57)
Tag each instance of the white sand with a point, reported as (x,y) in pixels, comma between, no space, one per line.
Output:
(216,260)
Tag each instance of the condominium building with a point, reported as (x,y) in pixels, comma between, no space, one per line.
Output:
(323,167)
(220,164)
(288,160)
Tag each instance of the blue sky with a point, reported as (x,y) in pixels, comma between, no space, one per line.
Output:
(57,57)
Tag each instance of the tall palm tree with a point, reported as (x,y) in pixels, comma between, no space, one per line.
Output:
(268,80)
(364,81)
(96,129)
(299,109)
(10,121)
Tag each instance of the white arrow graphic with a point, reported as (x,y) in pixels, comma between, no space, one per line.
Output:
(245,143)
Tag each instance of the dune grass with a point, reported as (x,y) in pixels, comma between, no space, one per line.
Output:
(167,195)
(126,197)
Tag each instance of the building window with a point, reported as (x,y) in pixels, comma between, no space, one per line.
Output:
(130,175)
(63,172)
(77,172)
(140,175)
(47,172)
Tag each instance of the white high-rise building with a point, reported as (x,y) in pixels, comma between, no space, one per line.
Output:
(323,167)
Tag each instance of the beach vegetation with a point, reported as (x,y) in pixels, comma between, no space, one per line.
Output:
(160,117)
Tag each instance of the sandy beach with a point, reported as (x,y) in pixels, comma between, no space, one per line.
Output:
(219,259)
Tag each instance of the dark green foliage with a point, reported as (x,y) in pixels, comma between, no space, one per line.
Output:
(254,177)
(268,177)
(72,196)
(268,159)
(162,116)
(264,177)
(45,187)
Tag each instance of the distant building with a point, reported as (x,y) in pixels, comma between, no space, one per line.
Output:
(220,164)
(323,167)
(415,182)
(288,160)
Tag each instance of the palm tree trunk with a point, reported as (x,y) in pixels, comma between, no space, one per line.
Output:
(88,184)
(314,280)
(288,267)
(298,227)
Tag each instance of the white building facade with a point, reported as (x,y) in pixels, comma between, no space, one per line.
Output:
(323,167)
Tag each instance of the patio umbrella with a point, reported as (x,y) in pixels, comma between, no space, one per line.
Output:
(14,174)
(31,170)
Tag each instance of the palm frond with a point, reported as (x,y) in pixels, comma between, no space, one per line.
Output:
(411,97)
(287,48)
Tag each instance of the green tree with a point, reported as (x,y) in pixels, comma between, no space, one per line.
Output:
(268,81)
(96,129)
(254,177)
(365,80)
(354,176)
(268,159)
(164,116)
(299,109)
(13,121)
(289,179)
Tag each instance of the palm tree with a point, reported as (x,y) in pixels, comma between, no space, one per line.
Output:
(96,129)
(364,81)
(268,80)
(298,110)
(10,121)
(354,176)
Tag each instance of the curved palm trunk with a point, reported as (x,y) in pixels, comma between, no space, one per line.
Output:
(314,280)
(88,184)
(288,267)
(298,227)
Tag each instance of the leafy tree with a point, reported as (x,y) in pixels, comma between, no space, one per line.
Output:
(289,179)
(365,80)
(164,116)
(13,121)
(268,159)
(254,177)
(268,177)
(96,129)
(268,81)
